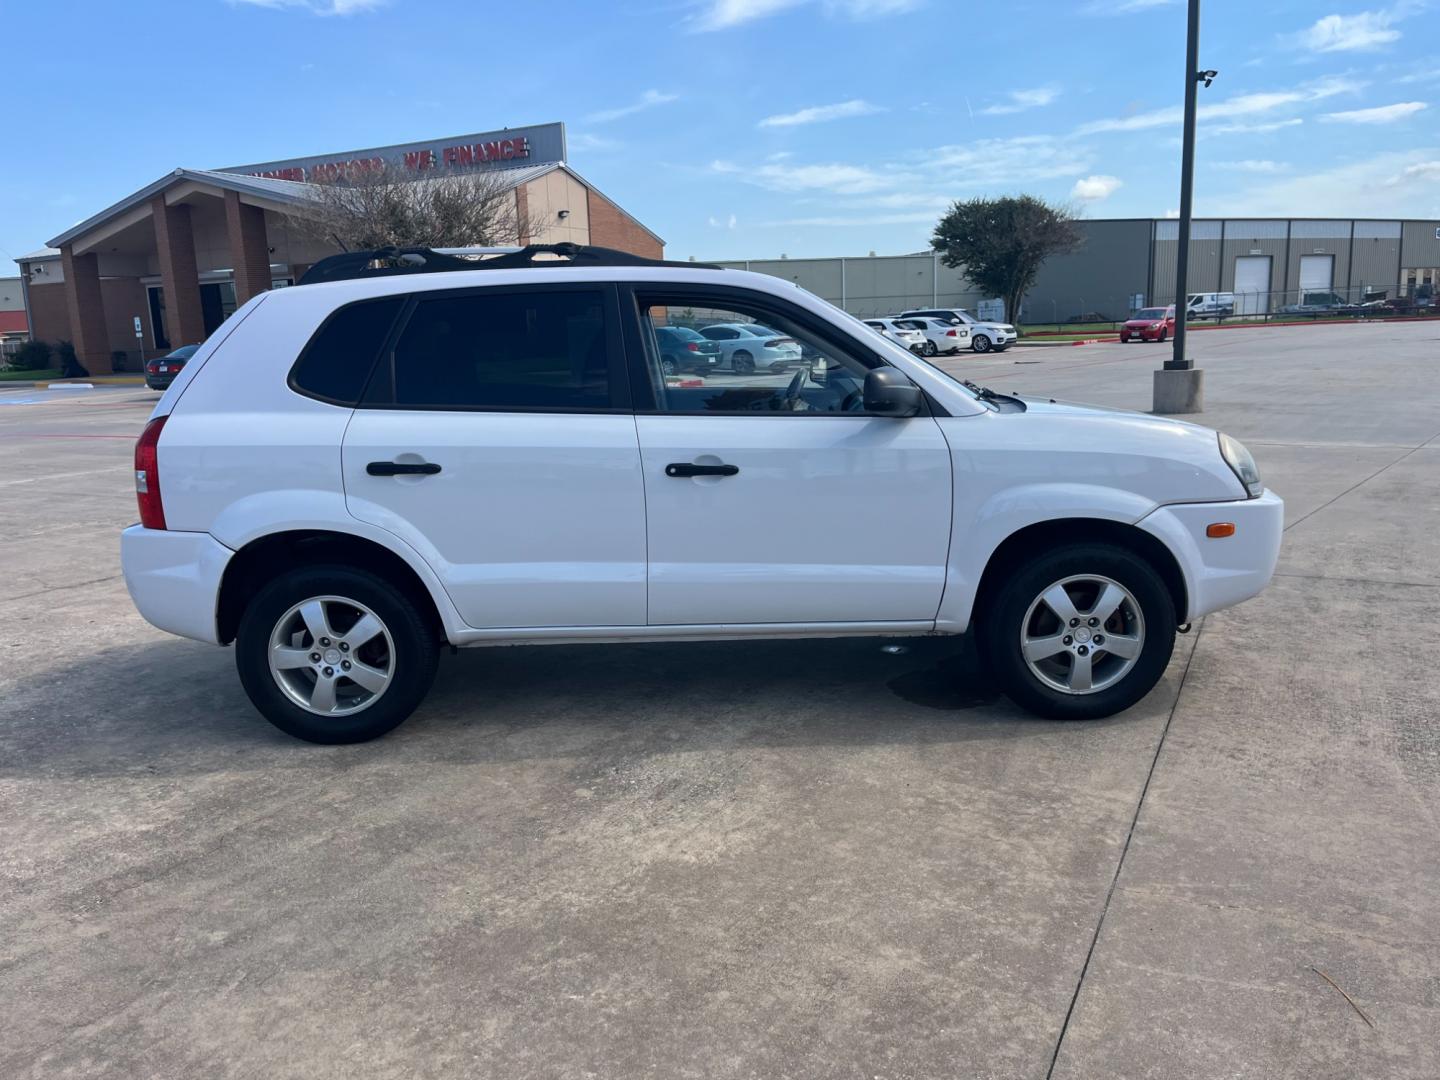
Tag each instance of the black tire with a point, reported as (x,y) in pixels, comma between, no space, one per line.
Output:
(743,363)
(1000,625)
(980,343)
(930,349)
(1161,338)
(416,653)
(668,366)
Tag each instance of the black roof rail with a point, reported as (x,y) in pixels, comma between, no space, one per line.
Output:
(388,261)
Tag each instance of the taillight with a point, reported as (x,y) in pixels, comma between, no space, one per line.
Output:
(950,333)
(147,475)
(692,347)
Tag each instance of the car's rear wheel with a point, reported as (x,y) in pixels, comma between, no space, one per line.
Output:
(1080,632)
(930,349)
(743,363)
(332,654)
(668,366)
(980,343)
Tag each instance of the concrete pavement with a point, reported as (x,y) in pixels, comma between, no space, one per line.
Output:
(796,859)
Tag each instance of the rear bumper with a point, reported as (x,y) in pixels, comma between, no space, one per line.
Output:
(1219,573)
(174,579)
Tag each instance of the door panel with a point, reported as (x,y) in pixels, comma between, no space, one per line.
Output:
(534,519)
(840,518)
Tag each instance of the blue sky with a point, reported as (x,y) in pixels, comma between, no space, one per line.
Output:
(745,128)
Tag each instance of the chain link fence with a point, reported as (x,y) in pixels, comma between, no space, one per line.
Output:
(1287,305)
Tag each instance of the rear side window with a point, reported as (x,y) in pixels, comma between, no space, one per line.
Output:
(336,364)
(500,349)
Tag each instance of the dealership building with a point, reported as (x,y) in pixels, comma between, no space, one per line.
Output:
(165,265)
(1124,264)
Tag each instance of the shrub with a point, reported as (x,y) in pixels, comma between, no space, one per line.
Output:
(69,363)
(31,356)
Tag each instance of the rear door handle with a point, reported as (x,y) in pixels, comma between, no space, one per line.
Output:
(402,468)
(684,468)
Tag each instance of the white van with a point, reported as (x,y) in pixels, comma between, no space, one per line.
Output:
(1211,305)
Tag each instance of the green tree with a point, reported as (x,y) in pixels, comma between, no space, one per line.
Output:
(1002,243)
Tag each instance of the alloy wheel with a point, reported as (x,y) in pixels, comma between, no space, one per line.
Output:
(331,655)
(1082,634)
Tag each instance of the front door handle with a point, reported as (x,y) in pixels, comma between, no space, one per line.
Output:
(402,468)
(684,468)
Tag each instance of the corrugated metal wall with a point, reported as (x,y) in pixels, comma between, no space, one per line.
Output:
(872,285)
(1119,258)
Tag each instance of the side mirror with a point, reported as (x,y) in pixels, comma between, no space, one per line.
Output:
(889,393)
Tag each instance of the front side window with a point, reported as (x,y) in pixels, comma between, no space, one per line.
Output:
(769,363)
(505,349)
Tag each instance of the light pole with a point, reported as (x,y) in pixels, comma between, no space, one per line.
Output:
(1180,386)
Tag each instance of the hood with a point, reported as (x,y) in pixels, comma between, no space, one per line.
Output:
(1137,321)
(1177,444)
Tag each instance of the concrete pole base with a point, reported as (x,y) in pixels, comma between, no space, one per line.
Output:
(1179,391)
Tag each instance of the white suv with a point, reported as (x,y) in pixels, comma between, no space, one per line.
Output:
(351,474)
(984,335)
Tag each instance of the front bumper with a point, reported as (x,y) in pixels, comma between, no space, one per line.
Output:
(1221,572)
(174,579)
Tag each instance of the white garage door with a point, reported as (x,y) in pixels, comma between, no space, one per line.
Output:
(1317,274)
(1252,284)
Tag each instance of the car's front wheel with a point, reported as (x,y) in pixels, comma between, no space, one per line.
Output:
(1080,632)
(980,343)
(333,654)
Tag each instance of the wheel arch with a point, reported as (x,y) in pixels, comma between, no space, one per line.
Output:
(262,558)
(1032,539)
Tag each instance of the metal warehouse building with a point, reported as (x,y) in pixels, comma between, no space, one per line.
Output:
(1130,262)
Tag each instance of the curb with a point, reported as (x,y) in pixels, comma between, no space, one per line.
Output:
(102,380)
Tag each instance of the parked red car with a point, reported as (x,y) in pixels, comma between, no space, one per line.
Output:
(1149,324)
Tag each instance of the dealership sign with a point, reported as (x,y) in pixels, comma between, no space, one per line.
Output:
(541,144)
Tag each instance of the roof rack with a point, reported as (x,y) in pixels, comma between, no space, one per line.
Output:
(388,261)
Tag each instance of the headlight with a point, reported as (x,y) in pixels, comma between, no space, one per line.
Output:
(1239,459)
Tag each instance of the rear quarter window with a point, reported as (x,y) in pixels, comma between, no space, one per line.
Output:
(336,364)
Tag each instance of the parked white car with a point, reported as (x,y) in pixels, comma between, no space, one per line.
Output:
(348,476)
(941,335)
(747,347)
(911,337)
(984,336)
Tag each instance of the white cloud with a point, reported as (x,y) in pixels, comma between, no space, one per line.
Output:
(1123,7)
(1421,170)
(1250,165)
(1349,33)
(1241,105)
(837,179)
(1020,100)
(841,222)
(648,100)
(728,223)
(1360,188)
(1430,75)
(319,7)
(586,141)
(1202,130)
(1381,114)
(1095,188)
(818,114)
(725,14)
(1171,215)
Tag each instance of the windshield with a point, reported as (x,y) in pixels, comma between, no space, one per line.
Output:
(1150,313)
(184,352)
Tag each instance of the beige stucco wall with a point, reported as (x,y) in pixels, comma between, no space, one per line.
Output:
(546,196)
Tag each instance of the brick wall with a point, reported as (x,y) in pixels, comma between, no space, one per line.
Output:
(124,298)
(613,228)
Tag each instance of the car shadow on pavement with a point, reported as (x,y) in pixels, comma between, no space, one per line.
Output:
(176,708)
